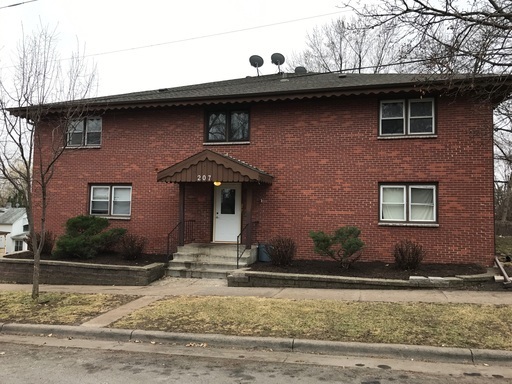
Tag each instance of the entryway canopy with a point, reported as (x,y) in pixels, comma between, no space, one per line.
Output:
(209,166)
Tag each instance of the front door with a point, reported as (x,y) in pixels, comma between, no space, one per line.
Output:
(227,211)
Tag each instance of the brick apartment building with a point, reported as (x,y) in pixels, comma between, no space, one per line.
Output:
(398,156)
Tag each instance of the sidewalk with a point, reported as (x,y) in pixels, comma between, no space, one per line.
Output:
(96,328)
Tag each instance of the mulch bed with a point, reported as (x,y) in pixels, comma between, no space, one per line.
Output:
(109,259)
(379,270)
(375,269)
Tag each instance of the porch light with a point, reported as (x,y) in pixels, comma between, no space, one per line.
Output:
(217,183)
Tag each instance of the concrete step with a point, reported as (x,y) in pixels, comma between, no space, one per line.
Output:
(209,261)
(201,258)
(209,249)
(193,265)
(198,274)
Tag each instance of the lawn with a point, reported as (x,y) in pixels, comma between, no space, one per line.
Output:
(450,325)
(57,308)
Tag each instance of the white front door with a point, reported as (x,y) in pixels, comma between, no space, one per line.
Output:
(227,212)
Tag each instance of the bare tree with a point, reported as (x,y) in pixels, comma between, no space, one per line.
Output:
(349,46)
(7,192)
(450,35)
(29,92)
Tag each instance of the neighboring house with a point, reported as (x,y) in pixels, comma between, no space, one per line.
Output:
(399,156)
(13,230)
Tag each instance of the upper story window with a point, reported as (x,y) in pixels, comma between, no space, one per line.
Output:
(227,126)
(408,203)
(407,117)
(84,132)
(111,200)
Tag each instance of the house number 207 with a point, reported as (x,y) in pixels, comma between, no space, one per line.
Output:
(204,177)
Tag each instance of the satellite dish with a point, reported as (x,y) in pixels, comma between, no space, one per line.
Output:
(256,61)
(301,70)
(277,59)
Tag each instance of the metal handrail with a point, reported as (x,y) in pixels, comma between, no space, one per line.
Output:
(169,240)
(177,226)
(238,243)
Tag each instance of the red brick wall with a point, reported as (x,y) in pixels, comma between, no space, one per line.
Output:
(327,162)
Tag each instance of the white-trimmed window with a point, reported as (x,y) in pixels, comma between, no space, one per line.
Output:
(408,203)
(111,200)
(18,245)
(407,117)
(84,132)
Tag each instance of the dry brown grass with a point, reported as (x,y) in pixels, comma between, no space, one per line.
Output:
(451,325)
(56,308)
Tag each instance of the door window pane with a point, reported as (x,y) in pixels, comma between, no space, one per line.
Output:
(227,203)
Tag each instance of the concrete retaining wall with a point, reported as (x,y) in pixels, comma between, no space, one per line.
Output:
(243,278)
(63,273)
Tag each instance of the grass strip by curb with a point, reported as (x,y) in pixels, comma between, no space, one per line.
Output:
(450,325)
(57,308)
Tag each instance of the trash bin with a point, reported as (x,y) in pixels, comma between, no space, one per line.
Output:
(262,253)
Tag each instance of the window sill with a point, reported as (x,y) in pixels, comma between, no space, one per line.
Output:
(83,147)
(114,217)
(424,225)
(394,137)
(228,143)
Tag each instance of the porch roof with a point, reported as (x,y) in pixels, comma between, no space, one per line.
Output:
(209,166)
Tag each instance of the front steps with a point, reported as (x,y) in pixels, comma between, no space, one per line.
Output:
(208,261)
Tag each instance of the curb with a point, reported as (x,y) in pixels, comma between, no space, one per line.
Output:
(395,351)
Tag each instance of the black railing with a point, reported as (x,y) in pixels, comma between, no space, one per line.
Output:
(173,241)
(248,241)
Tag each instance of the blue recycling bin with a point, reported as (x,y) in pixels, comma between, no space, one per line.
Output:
(262,253)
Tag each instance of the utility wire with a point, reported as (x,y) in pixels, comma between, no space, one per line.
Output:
(15,5)
(212,35)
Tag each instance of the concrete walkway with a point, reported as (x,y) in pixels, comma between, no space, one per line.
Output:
(96,328)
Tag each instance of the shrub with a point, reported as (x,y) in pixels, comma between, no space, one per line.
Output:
(408,255)
(132,246)
(344,246)
(49,242)
(281,250)
(85,237)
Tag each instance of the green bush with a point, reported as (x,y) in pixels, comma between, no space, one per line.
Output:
(344,246)
(281,250)
(408,255)
(132,246)
(85,237)
(49,242)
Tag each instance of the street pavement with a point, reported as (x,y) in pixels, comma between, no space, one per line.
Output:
(97,327)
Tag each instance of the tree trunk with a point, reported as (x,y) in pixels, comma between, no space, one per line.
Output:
(35,275)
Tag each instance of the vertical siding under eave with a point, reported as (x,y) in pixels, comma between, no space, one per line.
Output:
(208,171)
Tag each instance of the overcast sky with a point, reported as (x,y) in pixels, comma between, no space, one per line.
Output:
(186,42)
